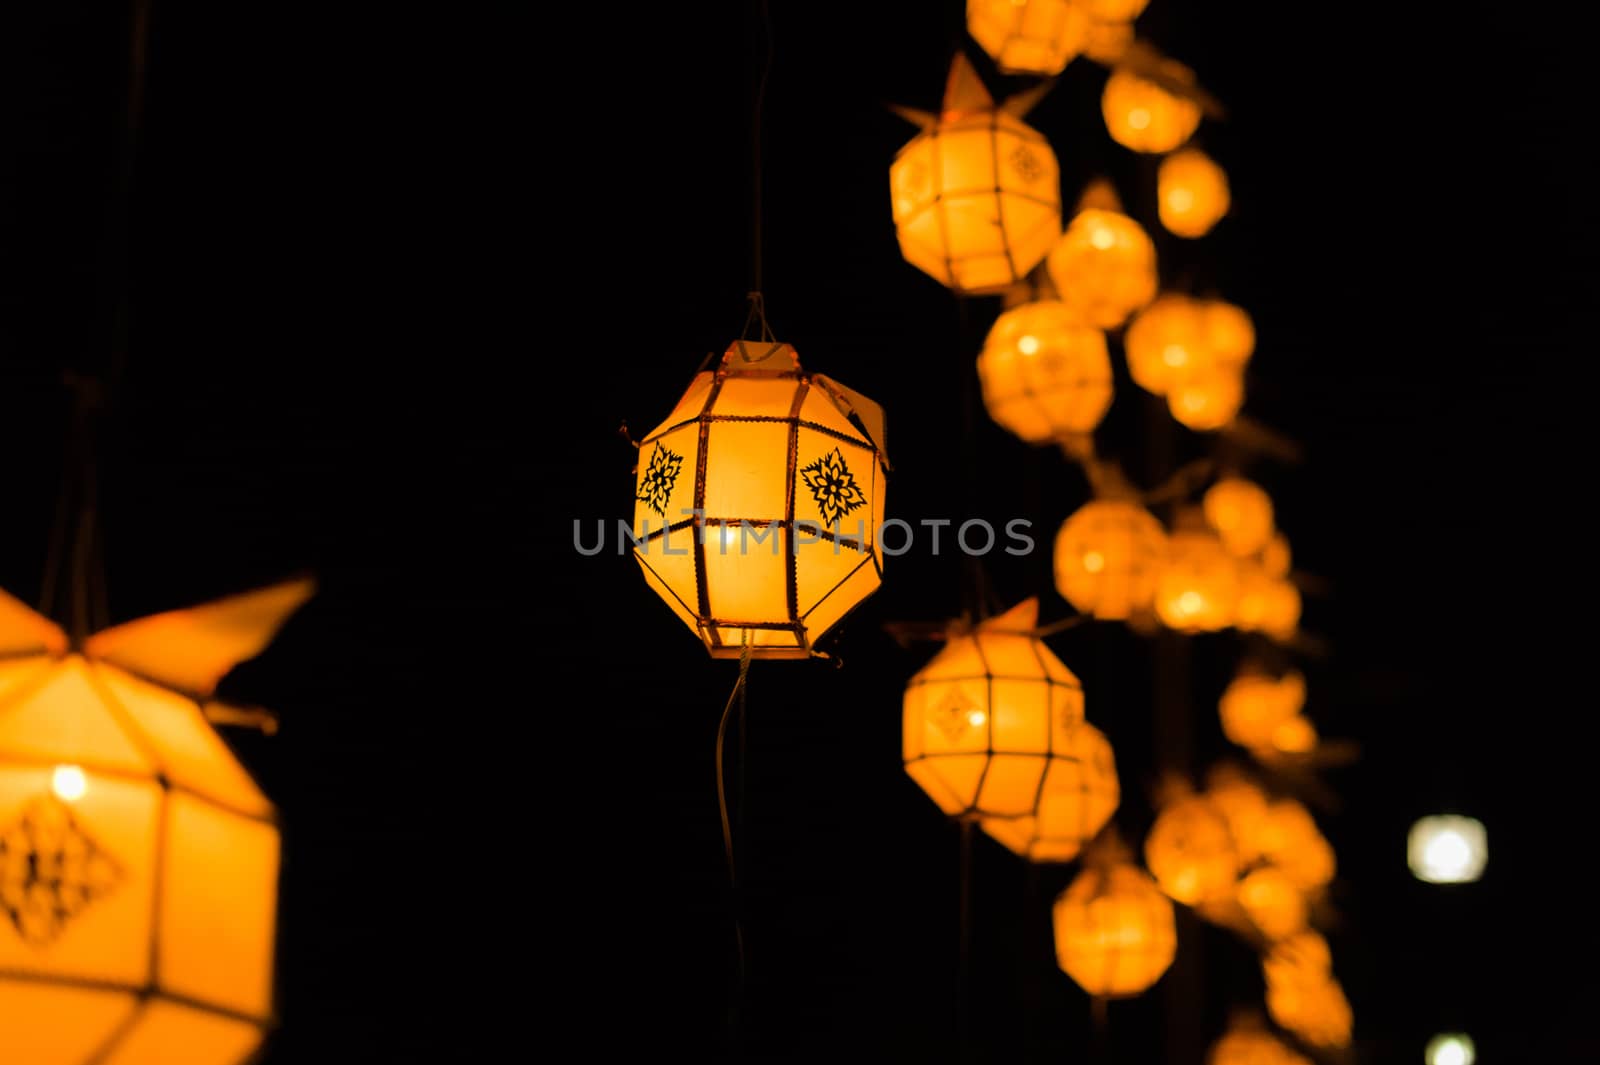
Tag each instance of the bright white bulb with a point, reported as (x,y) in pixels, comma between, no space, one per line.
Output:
(1447,850)
(975,718)
(1028,345)
(69,783)
(1451,1049)
(1101,238)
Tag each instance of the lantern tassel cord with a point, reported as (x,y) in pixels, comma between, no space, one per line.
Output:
(735,697)
(964,977)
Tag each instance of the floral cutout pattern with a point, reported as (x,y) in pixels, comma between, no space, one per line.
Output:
(833,486)
(655,487)
(50,870)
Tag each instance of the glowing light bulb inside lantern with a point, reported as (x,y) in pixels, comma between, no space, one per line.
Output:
(1028,345)
(1448,850)
(69,783)
(1102,238)
(1174,355)
(1189,603)
(975,718)
(1180,199)
(1451,1049)
(1094,562)
(1139,118)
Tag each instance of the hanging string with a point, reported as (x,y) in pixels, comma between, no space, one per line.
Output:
(755,154)
(964,974)
(734,697)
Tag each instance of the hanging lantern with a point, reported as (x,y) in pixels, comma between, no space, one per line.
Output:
(1029,36)
(1248,1042)
(1273,902)
(1045,375)
(1302,994)
(1190,852)
(1295,736)
(1078,796)
(1241,513)
(976,194)
(1199,582)
(1268,604)
(758,503)
(1229,331)
(1114,10)
(1115,932)
(1243,805)
(1256,703)
(1291,841)
(990,732)
(1208,399)
(1107,40)
(138,860)
(1166,342)
(1108,557)
(1152,113)
(1104,266)
(1191,193)
(1276,558)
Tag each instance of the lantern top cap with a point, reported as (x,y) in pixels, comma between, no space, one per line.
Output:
(1021,619)
(760,357)
(965,94)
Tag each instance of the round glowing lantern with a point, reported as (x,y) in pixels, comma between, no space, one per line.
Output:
(758,503)
(1199,582)
(1274,903)
(1302,993)
(1107,40)
(1276,558)
(1166,342)
(1247,1042)
(990,730)
(1079,794)
(976,194)
(1208,399)
(1115,931)
(1191,193)
(1291,841)
(1243,805)
(1190,852)
(1150,113)
(1256,703)
(1267,604)
(1029,36)
(1105,264)
(1241,513)
(1229,331)
(1295,736)
(1045,374)
(138,860)
(1108,557)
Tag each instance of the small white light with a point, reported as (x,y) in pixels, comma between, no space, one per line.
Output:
(1028,345)
(1447,849)
(69,783)
(1451,1048)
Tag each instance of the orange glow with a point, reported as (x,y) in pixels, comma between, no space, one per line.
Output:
(68,783)
(1229,331)
(1191,193)
(1276,558)
(1115,933)
(1029,36)
(1208,399)
(1114,10)
(1165,341)
(1291,841)
(1243,805)
(1274,903)
(1079,795)
(1256,703)
(1199,583)
(1104,266)
(1302,994)
(1249,1043)
(1145,116)
(1295,736)
(1045,375)
(1108,557)
(1241,513)
(1190,852)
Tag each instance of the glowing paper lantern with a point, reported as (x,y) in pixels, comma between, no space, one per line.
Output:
(1256,703)
(1243,805)
(1115,932)
(1190,852)
(1200,581)
(991,731)
(1267,604)
(1114,10)
(1029,36)
(1273,902)
(1249,1043)
(1166,342)
(1208,399)
(1241,513)
(1276,558)
(1150,114)
(1295,736)
(976,194)
(138,860)
(1291,841)
(1229,332)
(1452,1048)
(758,503)
(1108,556)
(1302,994)
(1107,40)
(1447,849)
(1191,193)
(1104,266)
(1045,375)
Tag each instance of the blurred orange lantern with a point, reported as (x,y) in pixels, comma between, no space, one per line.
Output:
(1257,702)
(138,860)
(1108,557)
(758,502)
(1267,604)
(976,194)
(1243,805)
(1248,1042)
(1295,736)
(1241,513)
(1107,40)
(1191,193)
(1114,10)
(1207,399)
(989,725)
(1150,114)
(1302,994)
(1045,375)
(1104,266)
(1291,841)
(1190,852)
(1229,332)
(1276,558)
(1029,36)
(1199,583)
(1166,342)
(1115,932)
(1274,903)
(1078,796)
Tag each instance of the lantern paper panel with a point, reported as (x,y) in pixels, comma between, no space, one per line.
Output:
(758,501)
(1208,399)
(1275,904)
(1077,797)
(976,194)
(1030,36)
(138,860)
(986,720)
(1115,931)
(1104,266)
(1199,585)
(1150,114)
(1291,842)
(1045,375)
(1190,852)
(1191,193)
(1109,554)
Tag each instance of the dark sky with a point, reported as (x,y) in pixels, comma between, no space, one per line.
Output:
(398,277)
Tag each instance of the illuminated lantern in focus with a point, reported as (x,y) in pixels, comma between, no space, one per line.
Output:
(1079,795)
(1115,932)
(1241,513)
(1029,36)
(1255,703)
(1273,902)
(1108,557)
(1200,581)
(758,503)
(1104,266)
(1208,399)
(1229,332)
(1191,193)
(976,194)
(138,860)
(990,731)
(1243,805)
(1045,375)
(1249,1043)
(1150,113)
(1291,841)
(1302,994)
(1190,852)
(1166,342)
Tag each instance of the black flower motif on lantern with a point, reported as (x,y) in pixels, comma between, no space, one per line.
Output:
(833,486)
(655,487)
